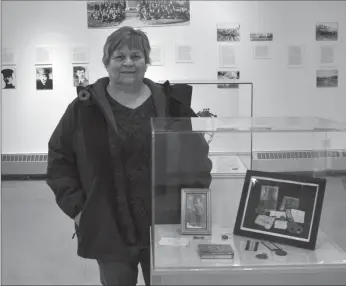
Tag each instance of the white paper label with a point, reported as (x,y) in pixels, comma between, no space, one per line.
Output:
(280,224)
(174,241)
(298,216)
(278,214)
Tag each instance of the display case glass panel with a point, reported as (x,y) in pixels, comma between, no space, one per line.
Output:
(195,154)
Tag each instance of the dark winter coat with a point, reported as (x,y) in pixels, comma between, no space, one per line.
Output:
(85,173)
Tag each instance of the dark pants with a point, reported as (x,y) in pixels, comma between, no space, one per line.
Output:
(126,272)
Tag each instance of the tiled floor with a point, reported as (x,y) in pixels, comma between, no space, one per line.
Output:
(37,245)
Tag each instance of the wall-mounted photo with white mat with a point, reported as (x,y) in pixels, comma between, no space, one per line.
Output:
(228,75)
(327,31)
(261,37)
(8,81)
(327,78)
(44,77)
(80,75)
(144,13)
(228,32)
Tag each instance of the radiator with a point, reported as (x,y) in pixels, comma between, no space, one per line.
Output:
(24,164)
(300,161)
(271,161)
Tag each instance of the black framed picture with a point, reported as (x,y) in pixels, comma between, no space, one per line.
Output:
(280,207)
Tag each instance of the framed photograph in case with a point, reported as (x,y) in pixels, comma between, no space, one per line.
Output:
(195,211)
(280,207)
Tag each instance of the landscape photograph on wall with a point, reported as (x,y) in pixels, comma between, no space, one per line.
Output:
(327,31)
(327,78)
(261,37)
(137,13)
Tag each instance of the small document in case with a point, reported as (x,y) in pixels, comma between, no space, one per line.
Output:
(215,251)
(174,241)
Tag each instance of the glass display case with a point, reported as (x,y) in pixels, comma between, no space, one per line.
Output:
(206,159)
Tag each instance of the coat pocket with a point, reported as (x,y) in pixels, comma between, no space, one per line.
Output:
(79,227)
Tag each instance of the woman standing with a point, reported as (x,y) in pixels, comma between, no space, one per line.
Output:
(99,160)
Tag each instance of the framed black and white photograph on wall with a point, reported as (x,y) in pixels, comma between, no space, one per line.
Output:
(261,37)
(327,78)
(44,77)
(8,77)
(327,31)
(280,207)
(135,13)
(228,75)
(228,32)
(80,75)
(195,211)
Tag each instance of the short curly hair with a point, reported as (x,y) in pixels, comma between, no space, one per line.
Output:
(126,36)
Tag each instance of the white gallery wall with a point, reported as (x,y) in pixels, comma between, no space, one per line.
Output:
(29,116)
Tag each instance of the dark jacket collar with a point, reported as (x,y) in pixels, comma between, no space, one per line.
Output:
(98,94)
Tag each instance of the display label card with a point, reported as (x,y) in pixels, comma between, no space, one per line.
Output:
(265,221)
(280,224)
(277,214)
(298,216)
(174,241)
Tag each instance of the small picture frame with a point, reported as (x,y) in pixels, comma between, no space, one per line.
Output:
(44,77)
(327,31)
(281,207)
(195,211)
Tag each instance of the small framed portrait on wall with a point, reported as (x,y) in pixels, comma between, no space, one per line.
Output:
(44,78)
(8,77)
(80,75)
(195,211)
(280,207)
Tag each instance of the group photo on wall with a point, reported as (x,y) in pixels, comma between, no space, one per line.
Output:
(137,13)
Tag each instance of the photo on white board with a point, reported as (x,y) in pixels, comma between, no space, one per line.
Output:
(228,75)
(183,54)
(7,56)
(327,31)
(262,52)
(295,56)
(228,32)
(327,78)
(44,55)
(44,78)
(227,56)
(8,77)
(327,56)
(156,55)
(80,55)
(261,37)
(80,75)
